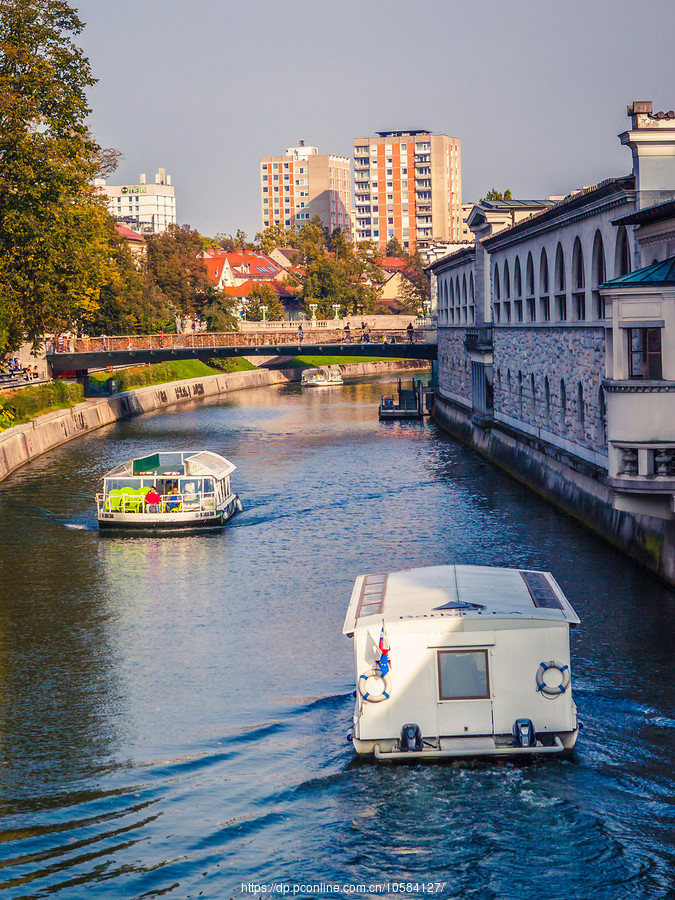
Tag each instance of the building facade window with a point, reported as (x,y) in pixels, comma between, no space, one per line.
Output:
(645,353)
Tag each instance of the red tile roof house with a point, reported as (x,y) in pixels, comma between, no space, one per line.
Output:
(134,241)
(243,265)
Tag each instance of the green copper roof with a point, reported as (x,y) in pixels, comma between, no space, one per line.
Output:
(659,273)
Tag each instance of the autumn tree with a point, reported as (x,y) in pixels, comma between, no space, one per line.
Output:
(394,248)
(493,194)
(260,295)
(176,266)
(275,236)
(414,292)
(54,229)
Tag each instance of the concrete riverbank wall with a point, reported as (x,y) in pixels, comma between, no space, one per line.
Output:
(22,443)
(648,540)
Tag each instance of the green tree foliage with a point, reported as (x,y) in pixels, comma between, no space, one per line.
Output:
(337,272)
(129,302)
(219,311)
(275,236)
(176,266)
(415,287)
(493,194)
(54,229)
(394,248)
(263,294)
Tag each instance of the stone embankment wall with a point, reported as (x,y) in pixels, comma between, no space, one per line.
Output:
(650,541)
(20,444)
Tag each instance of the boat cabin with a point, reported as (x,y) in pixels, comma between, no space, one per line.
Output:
(461,661)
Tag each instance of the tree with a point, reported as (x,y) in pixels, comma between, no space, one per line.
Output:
(260,295)
(415,289)
(493,194)
(54,229)
(218,310)
(241,240)
(176,265)
(338,272)
(395,249)
(275,236)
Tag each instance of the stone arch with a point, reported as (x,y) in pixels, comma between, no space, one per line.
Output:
(498,292)
(578,276)
(621,253)
(559,271)
(598,274)
(581,413)
(544,284)
(517,280)
(529,275)
(507,280)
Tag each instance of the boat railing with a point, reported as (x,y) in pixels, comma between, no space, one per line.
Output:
(127,501)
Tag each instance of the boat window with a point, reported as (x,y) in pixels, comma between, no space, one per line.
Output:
(208,485)
(120,484)
(190,485)
(463,675)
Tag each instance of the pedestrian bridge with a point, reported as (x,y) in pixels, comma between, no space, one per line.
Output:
(79,355)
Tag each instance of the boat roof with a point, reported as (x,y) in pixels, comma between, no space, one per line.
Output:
(183,462)
(470,592)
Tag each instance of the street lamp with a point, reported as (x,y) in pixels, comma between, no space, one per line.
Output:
(427,308)
(313,307)
(263,310)
(336,310)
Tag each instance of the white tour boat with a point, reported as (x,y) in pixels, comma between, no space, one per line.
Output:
(455,661)
(192,490)
(322,377)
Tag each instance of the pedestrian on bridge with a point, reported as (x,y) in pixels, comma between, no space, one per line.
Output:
(411,332)
(348,334)
(300,333)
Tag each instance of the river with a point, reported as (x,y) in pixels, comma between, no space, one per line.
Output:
(174,711)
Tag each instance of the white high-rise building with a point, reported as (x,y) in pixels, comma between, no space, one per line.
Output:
(145,208)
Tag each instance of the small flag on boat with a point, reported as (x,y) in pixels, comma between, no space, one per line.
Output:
(383,661)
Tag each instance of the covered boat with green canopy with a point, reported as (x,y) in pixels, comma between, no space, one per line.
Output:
(170,490)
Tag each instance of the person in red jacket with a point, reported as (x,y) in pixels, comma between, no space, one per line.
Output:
(152,500)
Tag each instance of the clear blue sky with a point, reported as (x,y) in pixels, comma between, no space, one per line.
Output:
(536,89)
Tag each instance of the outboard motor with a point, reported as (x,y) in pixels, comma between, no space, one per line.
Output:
(524,734)
(411,738)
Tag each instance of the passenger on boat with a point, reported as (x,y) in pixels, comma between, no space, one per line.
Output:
(152,500)
(173,500)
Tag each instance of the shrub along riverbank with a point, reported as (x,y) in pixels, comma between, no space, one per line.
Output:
(31,401)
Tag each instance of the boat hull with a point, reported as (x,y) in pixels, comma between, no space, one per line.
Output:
(465,748)
(167,522)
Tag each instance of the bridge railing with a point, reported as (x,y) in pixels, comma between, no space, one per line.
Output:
(213,340)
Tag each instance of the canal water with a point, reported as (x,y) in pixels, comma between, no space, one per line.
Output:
(174,711)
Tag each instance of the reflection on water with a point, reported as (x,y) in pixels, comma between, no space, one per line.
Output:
(173,711)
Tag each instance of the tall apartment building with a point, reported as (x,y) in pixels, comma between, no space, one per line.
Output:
(408,186)
(305,183)
(145,208)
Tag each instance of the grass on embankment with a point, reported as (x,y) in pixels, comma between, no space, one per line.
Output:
(34,400)
(312,362)
(176,370)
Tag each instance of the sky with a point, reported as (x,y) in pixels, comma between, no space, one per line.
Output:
(535,89)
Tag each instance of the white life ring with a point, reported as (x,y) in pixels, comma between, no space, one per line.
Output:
(553,690)
(363,685)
